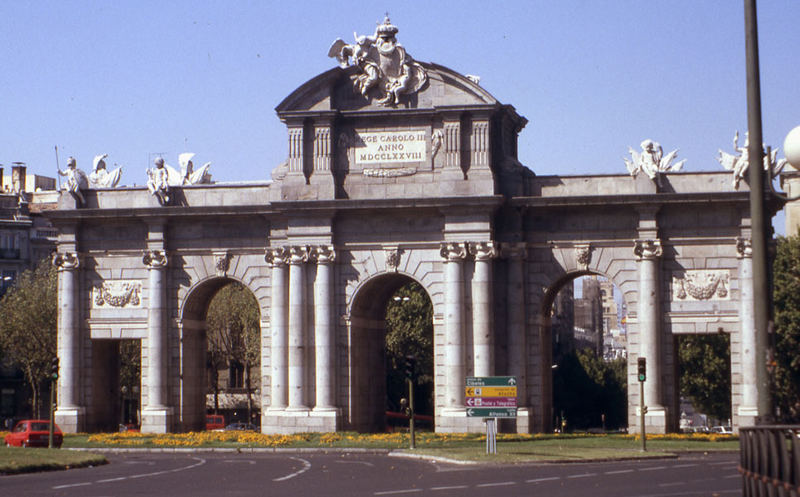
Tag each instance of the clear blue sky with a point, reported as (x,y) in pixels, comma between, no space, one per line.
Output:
(133,79)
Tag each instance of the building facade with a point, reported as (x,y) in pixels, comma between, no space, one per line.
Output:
(407,172)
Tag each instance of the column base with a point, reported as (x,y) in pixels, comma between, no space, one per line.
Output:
(524,420)
(70,419)
(747,416)
(296,420)
(655,419)
(156,419)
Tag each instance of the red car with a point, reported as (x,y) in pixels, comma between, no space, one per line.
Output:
(34,433)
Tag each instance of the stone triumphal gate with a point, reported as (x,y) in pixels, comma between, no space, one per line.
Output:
(397,171)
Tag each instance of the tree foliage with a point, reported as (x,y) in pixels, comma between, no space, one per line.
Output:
(786,372)
(587,389)
(409,331)
(234,334)
(705,373)
(29,325)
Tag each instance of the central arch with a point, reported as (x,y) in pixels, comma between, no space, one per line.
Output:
(193,352)
(368,397)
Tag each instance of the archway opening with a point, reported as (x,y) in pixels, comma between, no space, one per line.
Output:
(704,372)
(392,333)
(220,355)
(588,343)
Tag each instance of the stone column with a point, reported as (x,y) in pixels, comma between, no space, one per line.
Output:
(298,256)
(482,342)
(324,329)
(279,324)
(515,322)
(649,318)
(155,414)
(455,367)
(748,409)
(69,413)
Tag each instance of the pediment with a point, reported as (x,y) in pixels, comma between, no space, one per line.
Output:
(337,90)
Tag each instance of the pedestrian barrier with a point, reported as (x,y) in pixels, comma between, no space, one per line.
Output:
(770,460)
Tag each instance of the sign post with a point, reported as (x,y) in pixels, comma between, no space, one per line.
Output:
(491,397)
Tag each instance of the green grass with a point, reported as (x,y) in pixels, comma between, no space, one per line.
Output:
(21,460)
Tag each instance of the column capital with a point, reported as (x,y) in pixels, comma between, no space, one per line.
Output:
(155,259)
(298,254)
(513,250)
(483,251)
(324,254)
(647,249)
(453,251)
(744,247)
(66,261)
(276,256)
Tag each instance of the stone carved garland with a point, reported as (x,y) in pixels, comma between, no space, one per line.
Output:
(389,173)
(702,285)
(119,293)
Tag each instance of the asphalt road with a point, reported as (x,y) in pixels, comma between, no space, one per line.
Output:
(297,474)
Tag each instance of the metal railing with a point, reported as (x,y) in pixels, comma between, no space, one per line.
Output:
(770,460)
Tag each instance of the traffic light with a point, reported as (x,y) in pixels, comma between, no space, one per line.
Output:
(642,366)
(410,362)
(54,368)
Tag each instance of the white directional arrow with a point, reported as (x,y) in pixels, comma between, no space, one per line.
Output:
(470,401)
(470,412)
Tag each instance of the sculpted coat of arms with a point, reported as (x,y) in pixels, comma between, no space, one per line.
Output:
(385,68)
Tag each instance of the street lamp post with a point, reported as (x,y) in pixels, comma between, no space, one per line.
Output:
(758,217)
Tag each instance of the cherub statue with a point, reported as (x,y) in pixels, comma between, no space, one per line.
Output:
(76,180)
(188,175)
(652,160)
(739,163)
(100,177)
(158,181)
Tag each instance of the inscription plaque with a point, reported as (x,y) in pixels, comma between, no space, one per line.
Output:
(381,147)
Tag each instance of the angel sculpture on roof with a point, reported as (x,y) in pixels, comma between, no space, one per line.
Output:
(652,161)
(100,177)
(739,163)
(384,64)
(188,175)
(76,180)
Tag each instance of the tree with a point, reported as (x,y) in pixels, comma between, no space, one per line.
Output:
(234,334)
(29,326)
(587,390)
(409,331)
(785,377)
(705,375)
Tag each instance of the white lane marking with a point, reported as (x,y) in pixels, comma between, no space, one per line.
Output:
(652,468)
(248,461)
(306,467)
(392,492)
(719,463)
(584,475)
(498,484)
(549,478)
(452,487)
(72,485)
(618,472)
(731,476)
(684,465)
(674,484)
(144,475)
